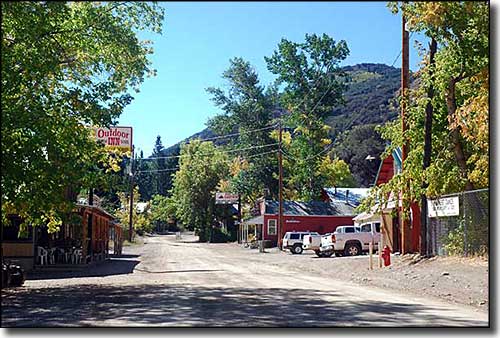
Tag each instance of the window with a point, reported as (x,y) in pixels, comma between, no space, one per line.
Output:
(349,230)
(294,236)
(366,228)
(377,227)
(271,227)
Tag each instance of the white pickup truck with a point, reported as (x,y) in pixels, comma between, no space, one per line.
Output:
(313,242)
(351,240)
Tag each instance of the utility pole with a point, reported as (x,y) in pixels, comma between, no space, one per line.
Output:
(405,229)
(131,205)
(280,164)
(424,236)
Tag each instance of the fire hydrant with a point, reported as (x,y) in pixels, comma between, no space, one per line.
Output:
(386,255)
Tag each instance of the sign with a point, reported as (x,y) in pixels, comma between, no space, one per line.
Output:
(114,137)
(443,207)
(226,198)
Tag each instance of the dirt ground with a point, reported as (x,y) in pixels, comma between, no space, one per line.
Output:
(169,282)
(453,279)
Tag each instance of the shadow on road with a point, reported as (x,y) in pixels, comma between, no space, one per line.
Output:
(114,266)
(181,305)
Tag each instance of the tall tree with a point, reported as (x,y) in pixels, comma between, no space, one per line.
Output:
(247,109)
(354,146)
(202,167)
(313,86)
(65,66)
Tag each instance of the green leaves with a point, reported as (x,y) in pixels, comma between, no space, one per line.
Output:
(202,166)
(65,66)
(313,86)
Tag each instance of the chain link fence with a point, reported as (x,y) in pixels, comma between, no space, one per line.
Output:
(458,224)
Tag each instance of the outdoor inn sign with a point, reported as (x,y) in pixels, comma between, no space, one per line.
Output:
(114,137)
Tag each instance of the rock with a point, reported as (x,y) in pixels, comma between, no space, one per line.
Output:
(433,285)
(482,302)
(445,273)
(366,279)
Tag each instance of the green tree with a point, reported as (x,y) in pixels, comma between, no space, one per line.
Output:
(202,167)
(313,85)
(247,109)
(459,75)
(354,146)
(141,221)
(162,209)
(65,67)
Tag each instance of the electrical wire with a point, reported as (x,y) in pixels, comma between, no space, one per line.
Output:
(228,161)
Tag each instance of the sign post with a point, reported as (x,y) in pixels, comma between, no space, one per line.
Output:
(118,137)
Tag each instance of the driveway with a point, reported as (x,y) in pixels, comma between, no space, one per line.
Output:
(169,282)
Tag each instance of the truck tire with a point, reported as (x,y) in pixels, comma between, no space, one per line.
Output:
(352,249)
(297,249)
(327,253)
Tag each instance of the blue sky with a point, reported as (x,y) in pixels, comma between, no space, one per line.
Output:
(199,38)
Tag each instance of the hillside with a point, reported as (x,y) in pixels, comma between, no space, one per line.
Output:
(368,96)
(371,88)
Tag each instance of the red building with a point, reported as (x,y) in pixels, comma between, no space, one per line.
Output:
(389,167)
(319,216)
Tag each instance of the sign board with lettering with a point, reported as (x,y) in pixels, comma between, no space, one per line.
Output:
(226,198)
(114,137)
(448,206)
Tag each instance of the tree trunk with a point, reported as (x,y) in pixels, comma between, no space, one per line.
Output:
(424,248)
(455,134)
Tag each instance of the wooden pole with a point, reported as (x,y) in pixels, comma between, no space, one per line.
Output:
(405,231)
(131,205)
(280,164)
(370,250)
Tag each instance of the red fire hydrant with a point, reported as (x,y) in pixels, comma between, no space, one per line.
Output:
(386,255)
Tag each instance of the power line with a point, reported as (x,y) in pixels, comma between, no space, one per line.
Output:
(228,161)
(235,134)
(224,151)
(400,52)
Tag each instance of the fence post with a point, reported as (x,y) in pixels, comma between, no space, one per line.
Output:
(465,224)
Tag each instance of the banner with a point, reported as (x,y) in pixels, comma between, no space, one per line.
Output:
(226,198)
(443,207)
(114,137)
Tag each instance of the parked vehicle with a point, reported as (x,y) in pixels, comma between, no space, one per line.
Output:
(351,240)
(313,242)
(12,275)
(293,241)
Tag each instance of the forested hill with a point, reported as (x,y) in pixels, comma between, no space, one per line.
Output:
(368,98)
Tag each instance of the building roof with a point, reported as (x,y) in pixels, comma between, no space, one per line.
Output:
(95,207)
(353,196)
(319,208)
(255,220)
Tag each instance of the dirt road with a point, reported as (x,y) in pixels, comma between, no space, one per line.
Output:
(168,282)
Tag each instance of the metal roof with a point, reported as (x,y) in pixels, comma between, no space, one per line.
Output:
(313,208)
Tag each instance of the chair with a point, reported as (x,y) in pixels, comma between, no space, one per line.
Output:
(52,255)
(76,256)
(42,254)
(64,254)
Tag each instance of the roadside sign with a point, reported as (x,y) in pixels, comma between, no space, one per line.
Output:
(114,137)
(226,198)
(443,207)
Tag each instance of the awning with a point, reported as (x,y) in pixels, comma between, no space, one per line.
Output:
(255,220)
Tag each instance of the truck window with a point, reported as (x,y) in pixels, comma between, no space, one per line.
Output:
(366,228)
(294,236)
(377,227)
(349,230)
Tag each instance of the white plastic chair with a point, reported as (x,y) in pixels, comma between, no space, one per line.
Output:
(42,254)
(76,257)
(52,256)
